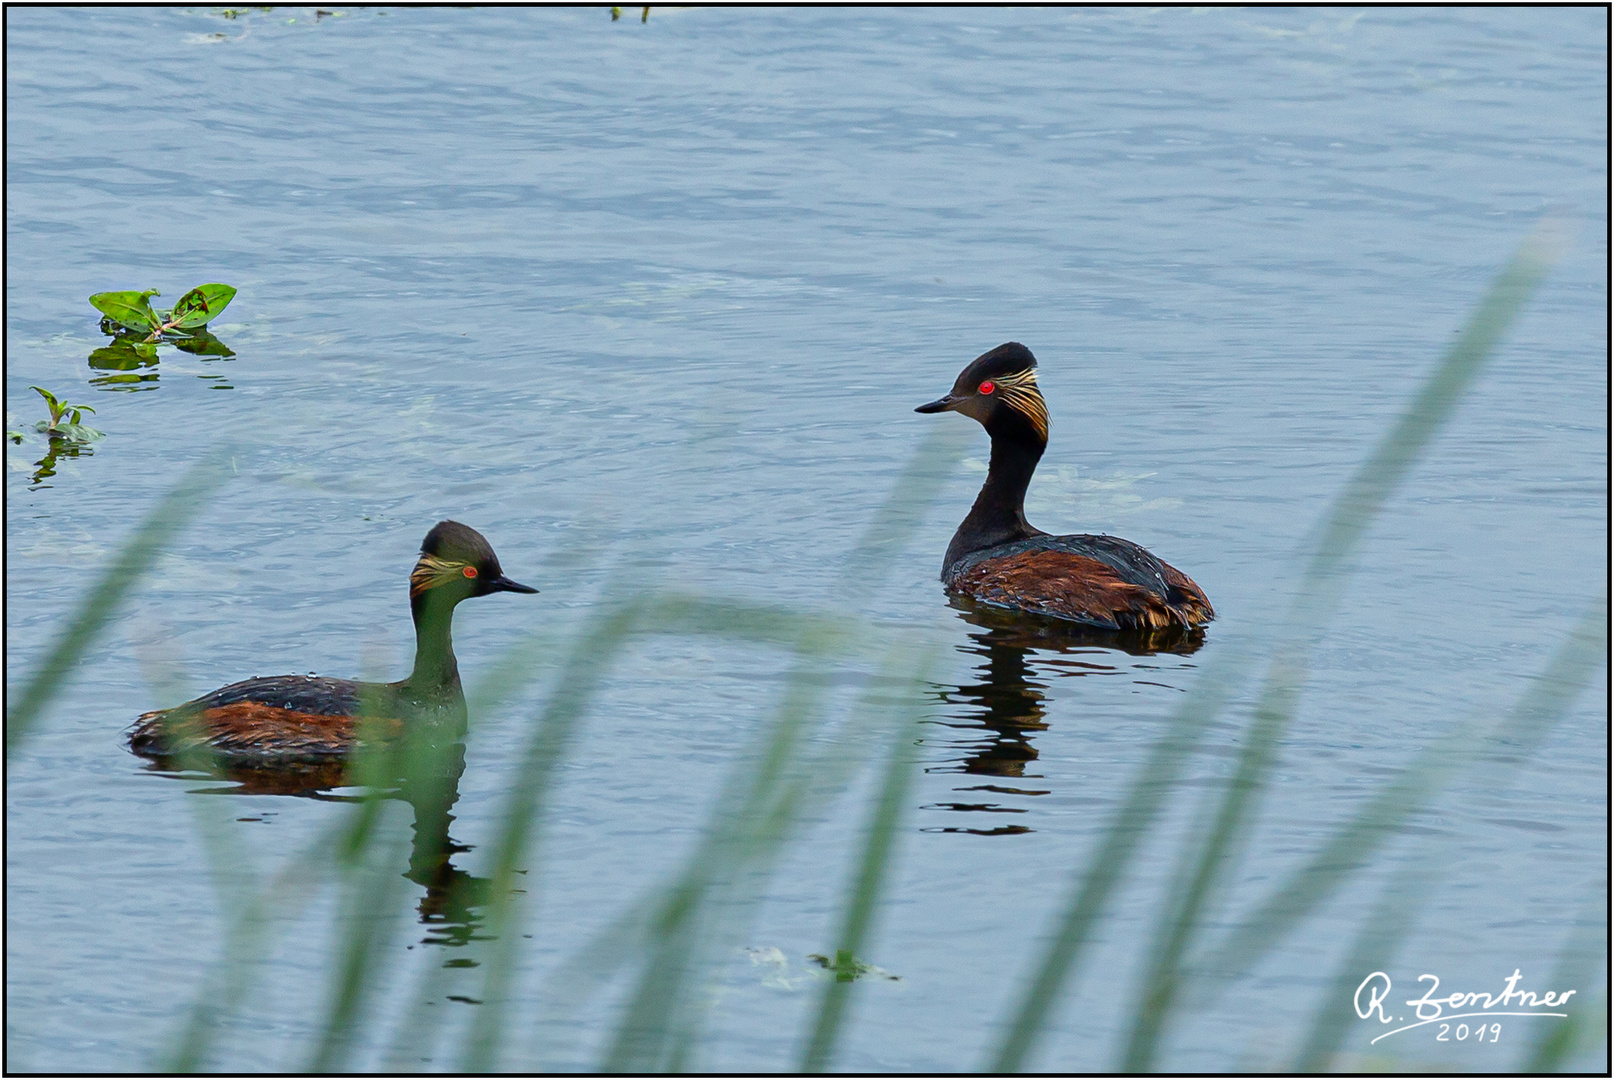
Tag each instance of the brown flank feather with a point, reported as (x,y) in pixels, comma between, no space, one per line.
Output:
(251,729)
(1074,586)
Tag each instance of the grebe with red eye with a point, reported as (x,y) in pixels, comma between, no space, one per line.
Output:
(297,718)
(996,556)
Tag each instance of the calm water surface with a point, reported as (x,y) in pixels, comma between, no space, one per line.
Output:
(664,295)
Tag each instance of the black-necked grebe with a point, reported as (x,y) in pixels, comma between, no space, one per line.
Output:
(997,558)
(297,718)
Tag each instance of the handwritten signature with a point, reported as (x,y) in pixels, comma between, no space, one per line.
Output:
(1375,989)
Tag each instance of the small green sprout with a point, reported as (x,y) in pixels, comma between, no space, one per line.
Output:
(74,429)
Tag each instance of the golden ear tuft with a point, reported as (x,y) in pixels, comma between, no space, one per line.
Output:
(431,572)
(1019,392)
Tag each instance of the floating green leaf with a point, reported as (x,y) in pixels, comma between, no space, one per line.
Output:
(130,309)
(199,306)
(199,342)
(123,355)
(75,433)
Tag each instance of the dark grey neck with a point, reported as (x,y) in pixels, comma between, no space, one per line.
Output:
(999,515)
(436,671)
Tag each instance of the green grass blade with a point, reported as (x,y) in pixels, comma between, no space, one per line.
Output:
(1583,959)
(1587,1026)
(134,559)
(1091,889)
(904,510)
(1374,948)
(1353,512)
(817,778)
(893,524)
(749,827)
(630,934)
(749,819)
(1543,703)
(367,855)
(593,650)
(1173,933)
(585,668)
(1567,674)
(419,1025)
(246,944)
(1342,528)
(1366,493)
(879,843)
(582,976)
(371,914)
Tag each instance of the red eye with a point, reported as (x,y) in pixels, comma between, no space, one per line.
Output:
(469,571)
(987,387)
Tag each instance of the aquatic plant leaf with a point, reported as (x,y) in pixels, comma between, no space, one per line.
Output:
(200,305)
(56,406)
(131,309)
(199,342)
(75,433)
(123,355)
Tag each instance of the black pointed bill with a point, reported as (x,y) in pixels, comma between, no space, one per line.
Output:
(941,404)
(504,584)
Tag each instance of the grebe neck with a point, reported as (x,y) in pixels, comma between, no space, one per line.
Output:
(999,514)
(435,667)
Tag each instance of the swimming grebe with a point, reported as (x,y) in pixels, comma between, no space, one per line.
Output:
(298,718)
(997,558)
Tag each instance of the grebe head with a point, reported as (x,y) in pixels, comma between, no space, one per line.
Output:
(1000,390)
(457,562)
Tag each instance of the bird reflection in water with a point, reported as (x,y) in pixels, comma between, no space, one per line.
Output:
(452,907)
(997,716)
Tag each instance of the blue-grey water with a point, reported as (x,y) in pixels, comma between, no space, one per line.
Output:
(662,295)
